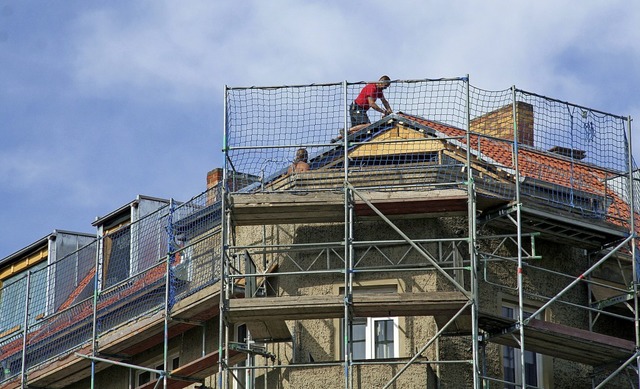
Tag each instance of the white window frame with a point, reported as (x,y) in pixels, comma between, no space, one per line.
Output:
(370,337)
(517,368)
(184,269)
(245,375)
(158,363)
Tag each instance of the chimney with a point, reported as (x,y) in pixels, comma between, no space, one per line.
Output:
(235,182)
(569,152)
(214,177)
(499,123)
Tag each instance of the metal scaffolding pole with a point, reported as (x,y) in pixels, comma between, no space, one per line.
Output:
(222,373)
(348,239)
(471,236)
(429,343)
(634,241)
(519,237)
(167,293)
(634,248)
(94,319)
(25,332)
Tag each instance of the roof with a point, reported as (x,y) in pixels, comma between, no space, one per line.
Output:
(545,166)
(39,244)
(540,168)
(125,209)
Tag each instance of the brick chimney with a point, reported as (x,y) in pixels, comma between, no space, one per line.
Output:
(214,177)
(499,123)
(235,182)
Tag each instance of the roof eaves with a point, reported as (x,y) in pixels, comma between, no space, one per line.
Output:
(119,211)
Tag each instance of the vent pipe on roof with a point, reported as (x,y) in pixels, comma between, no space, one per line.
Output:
(568,152)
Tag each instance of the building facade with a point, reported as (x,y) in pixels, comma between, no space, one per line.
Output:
(471,239)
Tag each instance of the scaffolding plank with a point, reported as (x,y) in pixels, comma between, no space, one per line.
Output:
(269,331)
(561,341)
(439,201)
(561,224)
(363,305)
(202,305)
(322,207)
(287,208)
(199,369)
(138,335)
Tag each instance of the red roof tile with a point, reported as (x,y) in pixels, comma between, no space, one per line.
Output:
(544,166)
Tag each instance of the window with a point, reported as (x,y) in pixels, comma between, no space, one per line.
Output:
(512,368)
(242,376)
(182,265)
(374,338)
(242,338)
(116,256)
(12,300)
(143,377)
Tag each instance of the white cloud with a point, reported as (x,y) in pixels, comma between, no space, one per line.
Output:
(18,172)
(142,71)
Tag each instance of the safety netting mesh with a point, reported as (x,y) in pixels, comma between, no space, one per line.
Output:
(196,243)
(267,128)
(131,281)
(568,156)
(58,313)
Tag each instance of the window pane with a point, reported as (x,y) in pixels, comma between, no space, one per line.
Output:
(511,358)
(359,338)
(383,338)
(12,297)
(116,256)
(38,292)
(144,377)
(12,303)
(240,375)
(509,367)
(531,368)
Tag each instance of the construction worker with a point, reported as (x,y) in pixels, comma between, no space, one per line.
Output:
(367,99)
(300,164)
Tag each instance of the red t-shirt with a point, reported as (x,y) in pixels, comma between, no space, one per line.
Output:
(370,90)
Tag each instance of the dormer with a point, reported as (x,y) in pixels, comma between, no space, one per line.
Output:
(53,269)
(127,247)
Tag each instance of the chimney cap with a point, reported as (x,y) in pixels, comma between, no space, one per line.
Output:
(568,152)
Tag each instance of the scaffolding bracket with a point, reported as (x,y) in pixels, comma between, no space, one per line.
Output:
(186,321)
(507,330)
(252,350)
(612,301)
(114,356)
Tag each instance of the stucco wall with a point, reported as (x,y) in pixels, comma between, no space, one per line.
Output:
(318,341)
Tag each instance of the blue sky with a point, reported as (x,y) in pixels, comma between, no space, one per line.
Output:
(102,101)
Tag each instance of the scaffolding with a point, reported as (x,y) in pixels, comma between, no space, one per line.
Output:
(275,250)
(450,149)
(103,302)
